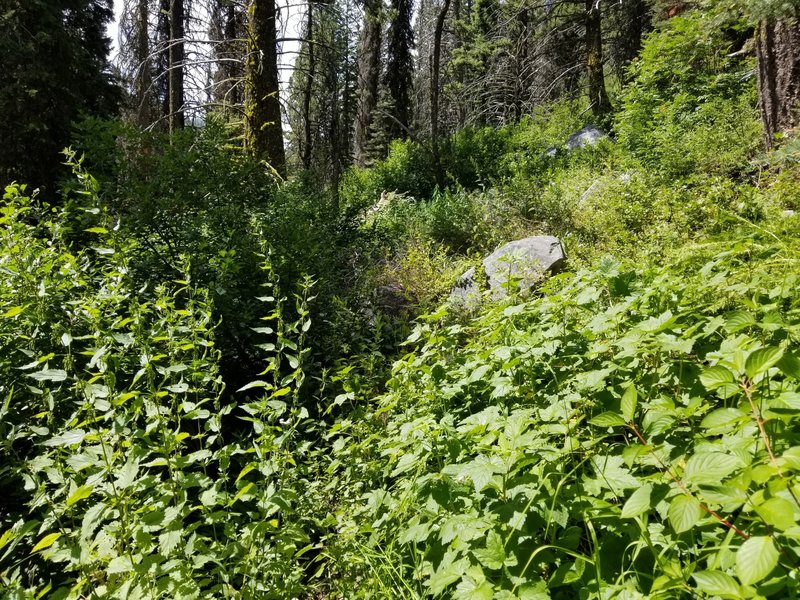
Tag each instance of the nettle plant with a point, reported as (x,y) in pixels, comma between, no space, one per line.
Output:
(122,474)
(627,434)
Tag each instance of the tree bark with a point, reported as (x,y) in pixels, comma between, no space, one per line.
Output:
(435,69)
(308,139)
(263,129)
(176,60)
(143,94)
(598,97)
(778,52)
(368,77)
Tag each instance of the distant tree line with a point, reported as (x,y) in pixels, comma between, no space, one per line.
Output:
(364,73)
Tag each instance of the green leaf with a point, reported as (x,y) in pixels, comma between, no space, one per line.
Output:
(715,377)
(790,365)
(628,403)
(13,312)
(717,583)
(722,418)
(241,493)
(49,375)
(683,513)
(778,512)
(120,564)
(761,360)
(755,559)
(46,542)
(608,419)
(68,438)
(638,503)
(705,467)
(493,555)
(449,572)
(80,494)
(738,320)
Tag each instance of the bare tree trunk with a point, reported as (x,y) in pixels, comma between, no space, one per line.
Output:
(144,78)
(598,97)
(368,76)
(307,149)
(778,51)
(435,68)
(176,60)
(263,130)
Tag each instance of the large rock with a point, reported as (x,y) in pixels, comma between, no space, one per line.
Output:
(588,136)
(524,261)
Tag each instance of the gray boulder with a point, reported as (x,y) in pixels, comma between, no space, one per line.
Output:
(588,136)
(524,261)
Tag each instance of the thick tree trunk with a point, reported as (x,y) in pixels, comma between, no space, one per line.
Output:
(368,76)
(435,69)
(263,130)
(778,51)
(598,97)
(176,60)
(143,93)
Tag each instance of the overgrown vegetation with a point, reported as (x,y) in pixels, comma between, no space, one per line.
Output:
(218,384)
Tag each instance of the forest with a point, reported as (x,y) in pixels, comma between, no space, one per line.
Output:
(384,299)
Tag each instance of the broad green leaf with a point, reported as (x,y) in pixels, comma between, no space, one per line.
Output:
(120,564)
(81,493)
(241,493)
(628,403)
(717,583)
(722,418)
(49,375)
(755,559)
(13,311)
(791,458)
(790,365)
(7,536)
(608,419)
(493,555)
(684,512)
(638,503)
(761,360)
(46,542)
(777,512)
(716,376)
(738,320)
(68,438)
(449,572)
(706,467)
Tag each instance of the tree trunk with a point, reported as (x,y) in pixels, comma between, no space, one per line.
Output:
(176,60)
(368,76)
(307,148)
(435,68)
(263,130)
(778,51)
(143,94)
(598,97)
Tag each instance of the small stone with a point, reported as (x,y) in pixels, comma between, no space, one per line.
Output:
(588,136)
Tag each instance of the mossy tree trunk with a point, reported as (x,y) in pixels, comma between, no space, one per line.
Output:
(778,51)
(598,97)
(263,130)
(369,70)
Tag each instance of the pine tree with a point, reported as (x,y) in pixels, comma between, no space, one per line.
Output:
(53,67)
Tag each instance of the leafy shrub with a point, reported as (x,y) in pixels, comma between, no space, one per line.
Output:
(691,106)
(631,433)
(122,478)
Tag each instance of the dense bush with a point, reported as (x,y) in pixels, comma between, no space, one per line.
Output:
(691,104)
(631,433)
